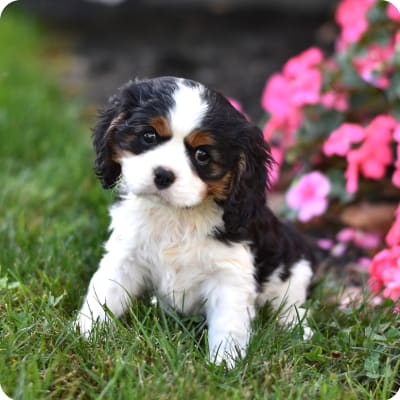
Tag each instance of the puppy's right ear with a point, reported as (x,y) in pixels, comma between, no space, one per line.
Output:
(106,166)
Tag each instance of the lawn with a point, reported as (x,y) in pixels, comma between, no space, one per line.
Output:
(53,219)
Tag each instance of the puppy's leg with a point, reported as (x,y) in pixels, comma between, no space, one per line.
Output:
(230,309)
(111,287)
(288,296)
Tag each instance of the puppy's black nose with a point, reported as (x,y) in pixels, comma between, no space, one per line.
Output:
(163,178)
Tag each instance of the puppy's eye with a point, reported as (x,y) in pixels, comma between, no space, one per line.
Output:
(202,157)
(149,138)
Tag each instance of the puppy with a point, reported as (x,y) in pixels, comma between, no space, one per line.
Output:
(191,222)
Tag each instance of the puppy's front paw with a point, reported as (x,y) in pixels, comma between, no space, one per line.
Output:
(228,351)
(83,325)
(293,317)
(224,358)
(307,332)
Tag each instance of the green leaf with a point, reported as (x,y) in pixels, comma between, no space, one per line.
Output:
(396,58)
(393,92)
(396,109)
(372,366)
(319,123)
(378,13)
(392,334)
(350,77)
(338,186)
(316,355)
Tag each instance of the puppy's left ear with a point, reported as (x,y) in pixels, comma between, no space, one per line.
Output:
(107,169)
(247,198)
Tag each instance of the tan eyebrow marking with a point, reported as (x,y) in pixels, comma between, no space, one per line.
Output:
(199,138)
(161,125)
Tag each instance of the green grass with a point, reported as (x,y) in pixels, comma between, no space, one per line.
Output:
(53,219)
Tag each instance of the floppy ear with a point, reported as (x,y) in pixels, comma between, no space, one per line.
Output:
(247,199)
(107,169)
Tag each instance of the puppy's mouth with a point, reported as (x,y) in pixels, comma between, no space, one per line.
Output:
(170,188)
(179,199)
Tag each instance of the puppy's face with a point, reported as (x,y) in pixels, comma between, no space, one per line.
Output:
(175,139)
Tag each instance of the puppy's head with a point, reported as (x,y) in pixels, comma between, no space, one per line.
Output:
(178,140)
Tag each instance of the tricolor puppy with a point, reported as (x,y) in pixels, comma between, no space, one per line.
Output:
(191,223)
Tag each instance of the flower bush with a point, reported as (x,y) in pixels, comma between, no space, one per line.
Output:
(334,127)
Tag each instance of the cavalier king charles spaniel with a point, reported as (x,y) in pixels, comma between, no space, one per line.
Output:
(191,223)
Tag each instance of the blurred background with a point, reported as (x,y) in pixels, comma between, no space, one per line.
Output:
(231,45)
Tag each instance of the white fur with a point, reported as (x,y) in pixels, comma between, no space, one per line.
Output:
(188,111)
(159,247)
(287,296)
(3,396)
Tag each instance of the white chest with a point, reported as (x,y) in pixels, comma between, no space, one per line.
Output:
(173,248)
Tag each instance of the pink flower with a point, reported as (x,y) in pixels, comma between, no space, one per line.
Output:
(396,174)
(364,262)
(278,156)
(284,116)
(303,77)
(338,250)
(363,240)
(382,127)
(393,13)
(273,125)
(351,175)
(375,67)
(374,154)
(379,135)
(339,141)
(367,240)
(276,96)
(351,16)
(306,88)
(397,40)
(309,195)
(385,273)
(393,236)
(285,127)
(286,93)
(346,235)
(335,99)
(308,59)
(325,244)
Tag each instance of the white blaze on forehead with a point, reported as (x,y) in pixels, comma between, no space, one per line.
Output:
(188,111)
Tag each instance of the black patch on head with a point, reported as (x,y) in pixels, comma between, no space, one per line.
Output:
(223,124)
(219,163)
(137,136)
(124,123)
